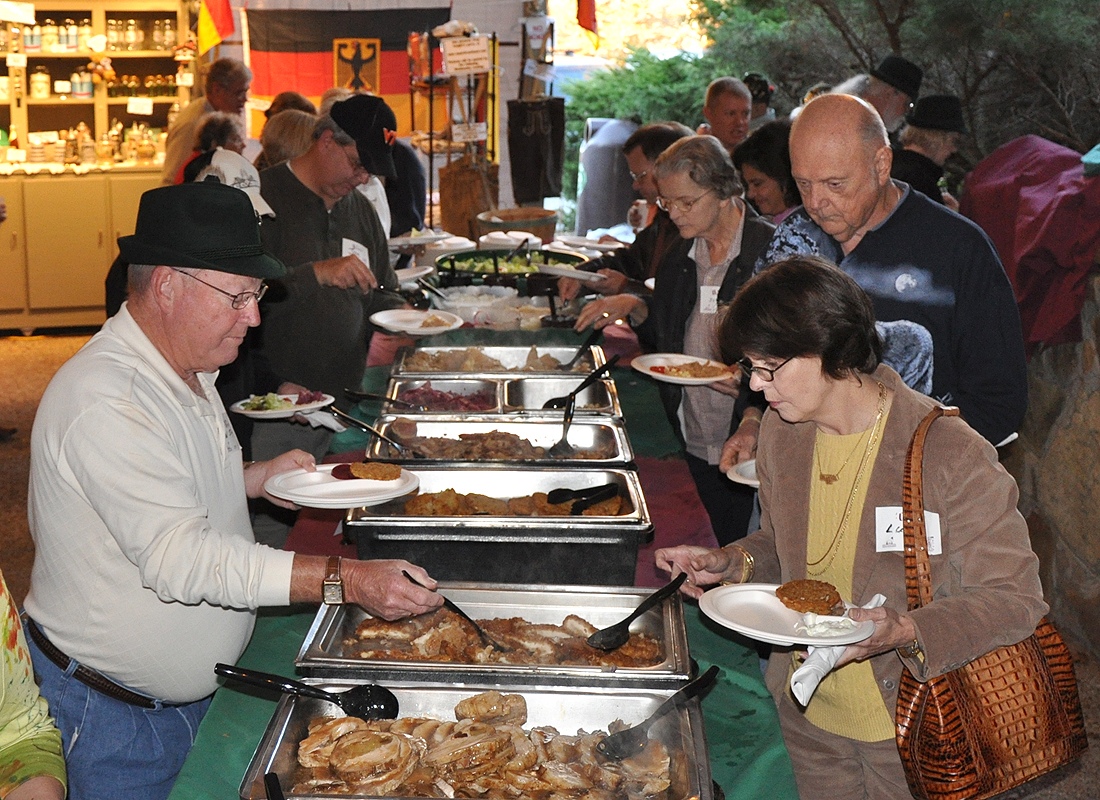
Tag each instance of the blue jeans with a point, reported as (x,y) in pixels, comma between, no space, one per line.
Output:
(113,749)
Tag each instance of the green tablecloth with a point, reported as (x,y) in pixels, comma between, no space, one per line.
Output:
(747,756)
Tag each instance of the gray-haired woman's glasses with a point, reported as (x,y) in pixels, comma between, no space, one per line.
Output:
(765,373)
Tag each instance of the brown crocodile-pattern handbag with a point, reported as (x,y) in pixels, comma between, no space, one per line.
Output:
(997,722)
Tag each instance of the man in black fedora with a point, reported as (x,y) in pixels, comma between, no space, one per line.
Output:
(932,134)
(891,88)
(146,571)
(317,334)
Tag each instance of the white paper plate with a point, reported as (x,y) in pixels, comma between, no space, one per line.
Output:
(412,273)
(745,473)
(753,610)
(650,283)
(409,320)
(424,238)
(588,244)
(645,364)
(562,271)
(320,490)
(281,413)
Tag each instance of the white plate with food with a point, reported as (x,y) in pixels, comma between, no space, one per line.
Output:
(280,406)
(417,238)
(562,271)
(412,273)
(417,323)
(753,609)
(588,244)
(745,473)
(322,489)
(678,368)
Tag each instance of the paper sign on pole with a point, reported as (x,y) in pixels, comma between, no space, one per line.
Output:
(474,132)
(464,55)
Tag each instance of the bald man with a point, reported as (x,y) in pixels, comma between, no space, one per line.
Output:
(917,260)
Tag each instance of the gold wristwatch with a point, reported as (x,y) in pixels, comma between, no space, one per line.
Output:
(911,650)
(332,589)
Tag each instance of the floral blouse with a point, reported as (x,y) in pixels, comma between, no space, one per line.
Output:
(30,745)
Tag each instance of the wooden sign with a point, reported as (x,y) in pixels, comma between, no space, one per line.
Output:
(355,64)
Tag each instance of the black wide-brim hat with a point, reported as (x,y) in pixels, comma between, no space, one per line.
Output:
(370,122)
(205,225)
(901,73)
(939,112)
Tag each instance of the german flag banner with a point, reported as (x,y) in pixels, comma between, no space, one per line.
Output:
(311,51)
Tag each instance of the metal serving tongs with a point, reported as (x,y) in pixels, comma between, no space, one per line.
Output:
(402,449)
(486,639)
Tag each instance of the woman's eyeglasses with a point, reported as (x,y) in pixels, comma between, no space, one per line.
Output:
(766,374)
(679,204)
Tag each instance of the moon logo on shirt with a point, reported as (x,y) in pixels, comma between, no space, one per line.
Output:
(904,283)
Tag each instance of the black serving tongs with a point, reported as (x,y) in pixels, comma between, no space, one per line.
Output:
(486,639)
(402,449)
(582,498)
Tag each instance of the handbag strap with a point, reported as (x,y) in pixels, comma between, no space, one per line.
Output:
(918,569)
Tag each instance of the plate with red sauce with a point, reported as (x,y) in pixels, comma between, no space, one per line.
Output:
(323,489)
(670,368)
(281,406)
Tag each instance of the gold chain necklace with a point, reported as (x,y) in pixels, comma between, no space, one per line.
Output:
(831,478)
(831,551)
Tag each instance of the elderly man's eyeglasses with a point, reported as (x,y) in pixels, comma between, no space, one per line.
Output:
(679,204)
(766,374)
(239,300)
(354,162)
(637,176)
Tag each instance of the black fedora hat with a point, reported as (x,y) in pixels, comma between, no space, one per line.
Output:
(940,112)
(901,73)
(205,225)
(370,122)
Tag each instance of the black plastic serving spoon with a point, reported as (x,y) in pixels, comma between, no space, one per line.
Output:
(615,636)
(595,375)
(366,701)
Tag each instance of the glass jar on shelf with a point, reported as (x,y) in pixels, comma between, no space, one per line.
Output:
(114,34)
(169,34)
(40,83)
(72,35)
(48,43)
(84,33)
(129,35)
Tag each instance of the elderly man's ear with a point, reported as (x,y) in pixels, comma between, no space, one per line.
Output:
(884,160)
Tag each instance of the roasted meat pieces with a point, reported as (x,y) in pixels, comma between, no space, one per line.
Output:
(484,754)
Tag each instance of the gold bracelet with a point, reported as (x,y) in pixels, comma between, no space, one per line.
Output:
(748,565)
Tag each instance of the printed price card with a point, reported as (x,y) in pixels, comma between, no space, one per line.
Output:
(466,55)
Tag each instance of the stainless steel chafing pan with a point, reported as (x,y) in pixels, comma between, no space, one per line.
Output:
(519,550)
(566,709)
(513,360)
(462,386)
(323,651)
(527,395)
(605,435)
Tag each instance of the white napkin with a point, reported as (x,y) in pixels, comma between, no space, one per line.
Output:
(819,662)
(321,418)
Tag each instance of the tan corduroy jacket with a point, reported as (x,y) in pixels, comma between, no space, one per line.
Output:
(986,590)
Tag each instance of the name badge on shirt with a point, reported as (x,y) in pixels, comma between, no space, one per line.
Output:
(354,248)
(890,533)
(708,299)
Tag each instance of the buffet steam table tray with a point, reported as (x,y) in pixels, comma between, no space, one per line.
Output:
(511,358)
(324,653)
(509,395)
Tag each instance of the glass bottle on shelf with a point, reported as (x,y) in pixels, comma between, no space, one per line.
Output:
(114,35)
(150,84)
(158,34)
(48,41)
(129,35)
(169,34)
(73,31)
(84,34)
(32,39)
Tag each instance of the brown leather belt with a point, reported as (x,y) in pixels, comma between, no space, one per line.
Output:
(89,677)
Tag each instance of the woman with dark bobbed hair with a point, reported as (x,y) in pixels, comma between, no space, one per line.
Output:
(830,463)
(764,162)
(722,238)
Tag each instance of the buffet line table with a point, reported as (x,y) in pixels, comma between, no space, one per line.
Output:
(747,755)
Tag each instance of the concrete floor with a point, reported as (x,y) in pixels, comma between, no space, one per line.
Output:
(28,362)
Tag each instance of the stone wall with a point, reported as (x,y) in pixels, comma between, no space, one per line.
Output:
(1056,461)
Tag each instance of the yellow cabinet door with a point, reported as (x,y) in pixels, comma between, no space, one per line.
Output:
(13,262)
(126,192)
(68,243)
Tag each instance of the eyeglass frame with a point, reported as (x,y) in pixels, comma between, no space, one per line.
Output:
(683,206)
(239,300)
(637,176)
(767,374)
(357,164)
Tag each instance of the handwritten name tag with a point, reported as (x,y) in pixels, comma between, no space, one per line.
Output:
(890,533)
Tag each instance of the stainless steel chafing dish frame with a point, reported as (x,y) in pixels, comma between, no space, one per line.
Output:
(542,430)
(487,480)
(552,386)
(507,355)
(566,708)
(322,650)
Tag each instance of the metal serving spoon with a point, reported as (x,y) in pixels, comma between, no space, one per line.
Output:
(402,449)
(486,639)
(355,394)
(615,636)
(595,375)
(367,701)
(632,741)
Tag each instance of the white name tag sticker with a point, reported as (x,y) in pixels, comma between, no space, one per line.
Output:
(354,248)
(890,533)
(708,299)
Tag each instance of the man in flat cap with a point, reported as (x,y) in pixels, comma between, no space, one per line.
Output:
(146,572)
(916,260)
(317,333)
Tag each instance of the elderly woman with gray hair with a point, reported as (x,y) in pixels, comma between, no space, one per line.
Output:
(698,186)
